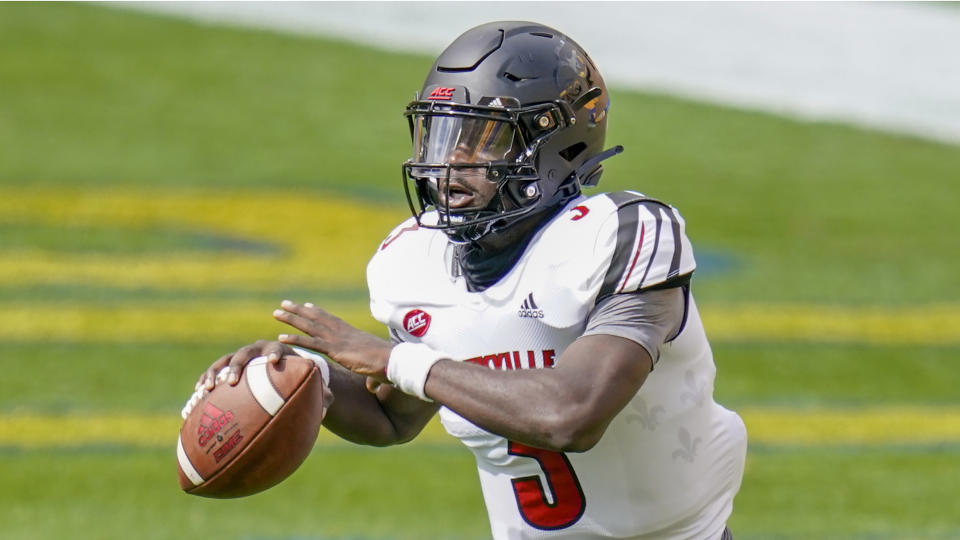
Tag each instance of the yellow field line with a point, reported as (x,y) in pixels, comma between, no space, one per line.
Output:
(790,427)
(193,321)
(180,322)
(33,431)
(937,324)
(321,239)
(875,425)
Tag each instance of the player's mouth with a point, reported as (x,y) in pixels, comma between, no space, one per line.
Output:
(456,196)
(460,196)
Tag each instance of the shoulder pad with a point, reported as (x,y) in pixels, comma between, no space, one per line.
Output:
(610,243)
(649,246)
(407,264)
(408,226)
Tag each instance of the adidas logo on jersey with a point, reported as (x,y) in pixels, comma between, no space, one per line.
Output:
(530,309)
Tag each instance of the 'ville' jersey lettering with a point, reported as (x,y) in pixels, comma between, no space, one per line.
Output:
(669,463)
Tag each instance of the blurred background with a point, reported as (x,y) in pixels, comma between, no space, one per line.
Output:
(170,172)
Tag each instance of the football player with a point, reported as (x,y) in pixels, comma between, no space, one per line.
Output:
(555,333)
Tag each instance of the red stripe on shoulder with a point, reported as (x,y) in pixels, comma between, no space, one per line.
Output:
(635,257)
(390,240)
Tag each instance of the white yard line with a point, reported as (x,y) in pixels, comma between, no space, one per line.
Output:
(888,66)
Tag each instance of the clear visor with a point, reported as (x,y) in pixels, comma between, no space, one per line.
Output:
(463,140)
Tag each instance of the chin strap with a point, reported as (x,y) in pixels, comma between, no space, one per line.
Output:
(589,172)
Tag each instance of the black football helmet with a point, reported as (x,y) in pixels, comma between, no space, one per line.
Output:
(517,102)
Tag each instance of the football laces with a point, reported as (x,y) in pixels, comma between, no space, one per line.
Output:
(199,391)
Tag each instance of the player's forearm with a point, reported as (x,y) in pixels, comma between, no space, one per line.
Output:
(566,408)
(533,407)
(380,419)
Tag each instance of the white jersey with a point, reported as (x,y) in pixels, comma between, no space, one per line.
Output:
(668,465)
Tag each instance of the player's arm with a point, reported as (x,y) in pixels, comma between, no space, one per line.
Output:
(367,412)
(566,408)
(361,411)
(569,407)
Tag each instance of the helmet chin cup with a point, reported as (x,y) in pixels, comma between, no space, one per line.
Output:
(469,225)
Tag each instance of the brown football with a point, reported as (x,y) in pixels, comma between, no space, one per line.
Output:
(243,439)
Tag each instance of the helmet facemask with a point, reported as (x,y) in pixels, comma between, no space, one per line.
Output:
(456,148)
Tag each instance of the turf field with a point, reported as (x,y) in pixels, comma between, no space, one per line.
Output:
(163,185)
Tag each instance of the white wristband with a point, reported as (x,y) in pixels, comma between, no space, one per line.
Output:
(409,366)
(320,361)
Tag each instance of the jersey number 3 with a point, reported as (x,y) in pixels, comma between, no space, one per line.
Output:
(564,488)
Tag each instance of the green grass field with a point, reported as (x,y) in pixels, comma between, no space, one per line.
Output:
(163,185)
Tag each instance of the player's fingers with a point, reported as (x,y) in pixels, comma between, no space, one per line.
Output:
(307,342)
(273,351)
(310,343)
(307,309)
(299,322)
(313,312)
(208,379)
(373,385)
(310,312)
(327,398)
(238,361)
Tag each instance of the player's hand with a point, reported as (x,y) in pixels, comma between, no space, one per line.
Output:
(353,349)
(228,367)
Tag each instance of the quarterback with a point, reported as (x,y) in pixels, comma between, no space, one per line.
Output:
(554,333)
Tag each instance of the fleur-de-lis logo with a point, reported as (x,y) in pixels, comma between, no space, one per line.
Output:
(688,446)
(647,418)
(695,389)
